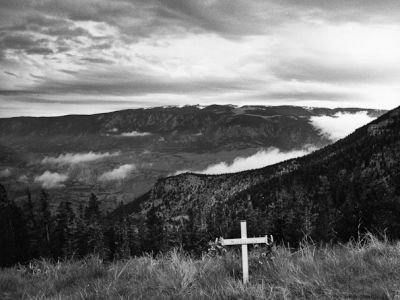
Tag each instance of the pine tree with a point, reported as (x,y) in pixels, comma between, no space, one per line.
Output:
(94,230)
(44,225)
(32,227)
(13,235)
(64,231)
(122,240)
(92,211)
(80,237)
(155,233)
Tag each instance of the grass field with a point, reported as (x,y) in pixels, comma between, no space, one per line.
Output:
(367,269)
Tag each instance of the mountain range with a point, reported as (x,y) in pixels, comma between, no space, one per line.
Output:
(120,155)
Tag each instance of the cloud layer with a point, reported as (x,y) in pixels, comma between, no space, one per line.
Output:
(5,173)
(261,159)
(135,134)
(49,180)
(76,158)
(341,124)
(72,56)
(118,173)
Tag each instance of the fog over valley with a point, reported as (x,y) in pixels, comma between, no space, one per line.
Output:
(127,151)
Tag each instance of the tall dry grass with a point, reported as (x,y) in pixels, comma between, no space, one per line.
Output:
(366,269)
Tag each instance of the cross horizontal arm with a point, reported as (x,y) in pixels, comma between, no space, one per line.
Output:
(246,241)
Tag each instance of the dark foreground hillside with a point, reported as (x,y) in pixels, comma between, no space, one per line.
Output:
(369,269)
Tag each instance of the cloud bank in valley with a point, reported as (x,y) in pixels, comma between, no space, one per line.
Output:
(118,173)
(261,159)
(341,124)
(5,173)
(49,180)
(135,134)
(71,158)
(23,179)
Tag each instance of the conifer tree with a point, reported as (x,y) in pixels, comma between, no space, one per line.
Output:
(32,228)
(80,237)
(94,231)
(13,235)
(64,231)
(44,225)
(155,231)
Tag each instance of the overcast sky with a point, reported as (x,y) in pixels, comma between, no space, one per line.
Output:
(88,56)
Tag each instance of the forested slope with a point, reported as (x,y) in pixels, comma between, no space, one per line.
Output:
(336,193)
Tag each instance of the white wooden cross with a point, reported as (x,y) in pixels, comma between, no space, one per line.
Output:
(244,241)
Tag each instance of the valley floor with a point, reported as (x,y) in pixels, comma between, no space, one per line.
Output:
(368,269)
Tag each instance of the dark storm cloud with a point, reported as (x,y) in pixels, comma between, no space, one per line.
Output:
(230,18)
(26,43)
(19,41)
(21,35)
(35,21)
(33,32)
(39,50)
(227,17)
(145,18)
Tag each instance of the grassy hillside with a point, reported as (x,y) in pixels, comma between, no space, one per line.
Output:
(368,269)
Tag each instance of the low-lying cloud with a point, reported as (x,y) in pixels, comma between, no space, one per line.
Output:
(49,180)
(118,173)
(135,134)
(23,179)
(75,158)
(261,159)
(5,173)
(341,124)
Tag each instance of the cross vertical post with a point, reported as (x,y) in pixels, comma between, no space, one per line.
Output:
(245,259)
(244,241)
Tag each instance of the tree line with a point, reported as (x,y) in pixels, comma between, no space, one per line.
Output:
(35,231)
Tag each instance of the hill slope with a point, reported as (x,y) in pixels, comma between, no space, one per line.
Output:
(347,188)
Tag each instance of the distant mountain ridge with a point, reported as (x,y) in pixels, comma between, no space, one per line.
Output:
(338,192)
(218,125)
